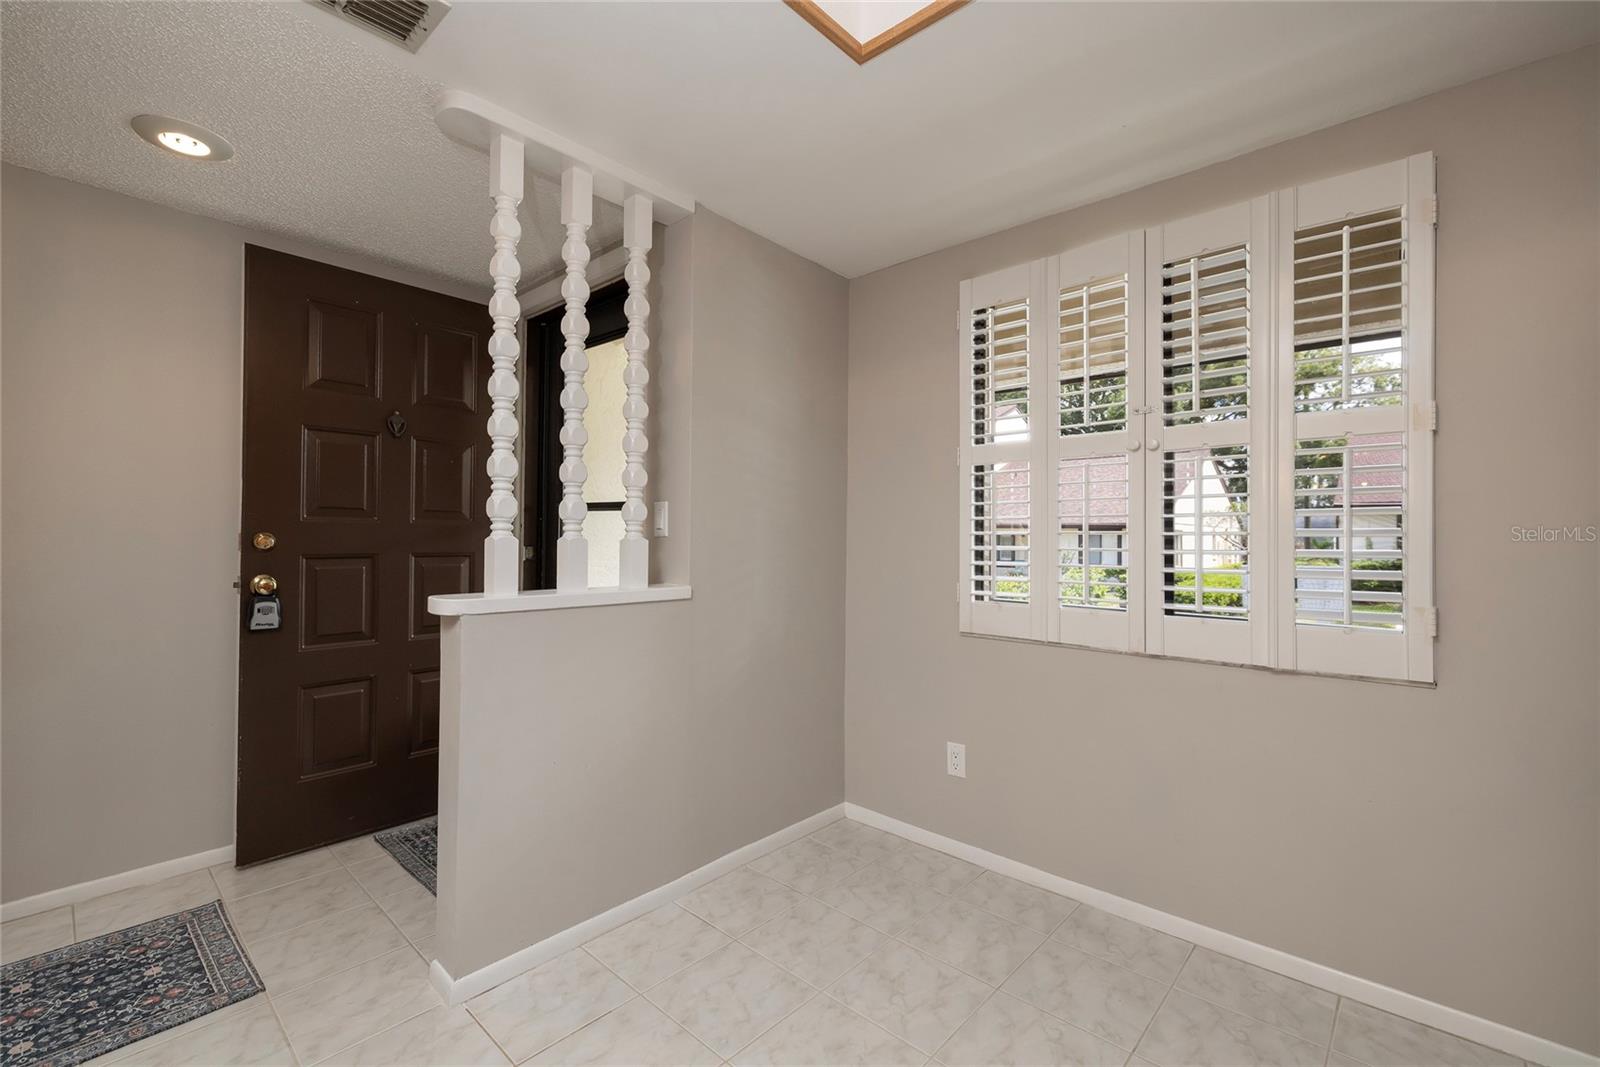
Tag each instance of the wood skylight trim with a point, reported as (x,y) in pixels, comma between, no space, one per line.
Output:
(863,51)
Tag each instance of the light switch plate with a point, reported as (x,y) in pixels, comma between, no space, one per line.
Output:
(658,526)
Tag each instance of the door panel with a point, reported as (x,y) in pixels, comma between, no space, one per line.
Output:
(363,456)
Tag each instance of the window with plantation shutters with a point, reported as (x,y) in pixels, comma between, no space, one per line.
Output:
(1001,454)
(1096,505)
(1355,297)
(1213,438)
(1206,431)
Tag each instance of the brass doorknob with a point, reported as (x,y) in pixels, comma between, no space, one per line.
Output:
(263,585)
(263,541)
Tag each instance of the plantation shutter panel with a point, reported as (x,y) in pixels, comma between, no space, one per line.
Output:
(1004,560)
(1206,449)
(1095,479)
(1355,411)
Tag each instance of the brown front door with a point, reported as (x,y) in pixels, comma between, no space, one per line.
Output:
(364,448)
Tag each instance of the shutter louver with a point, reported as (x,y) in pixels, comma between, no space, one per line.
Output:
(1205,346)
(1349,304)
(1349,531)
(1000,373)
(1205,494)
(1001,511)
(1094,505)
(1093,368)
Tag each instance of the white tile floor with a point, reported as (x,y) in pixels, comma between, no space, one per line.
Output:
(851,946)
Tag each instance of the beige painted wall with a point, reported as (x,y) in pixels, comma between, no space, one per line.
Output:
(593,754)
(1440,841)
(121,420)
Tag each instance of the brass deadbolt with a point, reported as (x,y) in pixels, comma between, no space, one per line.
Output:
(263,541)
(263,585)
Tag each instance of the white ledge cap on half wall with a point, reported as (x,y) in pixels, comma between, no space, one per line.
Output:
(551,599)
(473,120)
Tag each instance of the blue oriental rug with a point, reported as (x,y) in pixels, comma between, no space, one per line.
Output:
(72,1004)
(416,848)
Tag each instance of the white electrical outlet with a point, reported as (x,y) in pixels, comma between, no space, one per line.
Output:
(955,759)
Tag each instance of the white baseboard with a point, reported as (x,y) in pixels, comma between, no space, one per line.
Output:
(1495,1035)
(73,894)
(458,990)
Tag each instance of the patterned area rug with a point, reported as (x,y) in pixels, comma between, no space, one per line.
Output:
(72,1004)
(416,847)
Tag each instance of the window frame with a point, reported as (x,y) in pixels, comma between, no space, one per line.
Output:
(1271,637)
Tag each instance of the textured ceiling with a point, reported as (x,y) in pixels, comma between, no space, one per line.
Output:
(999,114)
(333,131)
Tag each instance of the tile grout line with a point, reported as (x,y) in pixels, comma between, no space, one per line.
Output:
(994,990)
(466,1006)
(1262,1022)
(819,991)
(345,970)
(364,1040)
(891,936)
(342,970)
(815,991)
(880,1026)
(268,889)
(282,1029)
(349,966)
(998,989)
(1338,1006)
(644,995)
(1148,1023)
(1194,950)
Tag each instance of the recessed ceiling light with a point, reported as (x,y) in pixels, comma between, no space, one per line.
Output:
(183,138)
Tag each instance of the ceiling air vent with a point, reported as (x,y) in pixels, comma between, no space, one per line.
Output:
(405,22)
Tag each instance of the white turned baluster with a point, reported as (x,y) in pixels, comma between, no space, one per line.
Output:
(502,550)
(637,237)
(577,207)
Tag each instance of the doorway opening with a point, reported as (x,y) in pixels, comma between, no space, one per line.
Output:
(602,455)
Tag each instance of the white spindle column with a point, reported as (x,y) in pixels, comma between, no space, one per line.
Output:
(502,550)
(637,237)
(577,212)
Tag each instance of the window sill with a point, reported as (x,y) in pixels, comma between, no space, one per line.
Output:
(551,600)
(1170,658)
